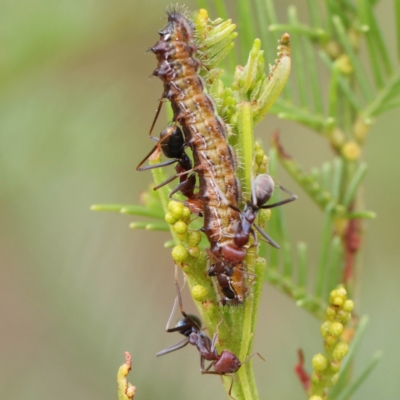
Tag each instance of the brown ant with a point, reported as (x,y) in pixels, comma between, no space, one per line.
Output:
(261,192)
(224,363)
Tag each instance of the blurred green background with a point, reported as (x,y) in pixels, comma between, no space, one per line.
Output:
(79,288)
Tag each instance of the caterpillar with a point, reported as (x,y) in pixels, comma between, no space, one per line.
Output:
(214,160)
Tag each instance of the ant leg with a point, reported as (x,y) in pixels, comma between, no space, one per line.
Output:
(159,165)
(225,200)
(170,179)
(230,388)
(252,355)
(174,347)
(268,239)
(192,322)
(280,203)
(156,116)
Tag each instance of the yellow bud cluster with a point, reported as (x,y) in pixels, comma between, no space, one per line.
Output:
(261,159)
(326,366)
(178,216)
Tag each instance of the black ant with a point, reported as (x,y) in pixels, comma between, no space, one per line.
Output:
(172,144)
(225,363)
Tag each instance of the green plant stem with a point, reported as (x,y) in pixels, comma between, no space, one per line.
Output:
(195,268)
(246,144)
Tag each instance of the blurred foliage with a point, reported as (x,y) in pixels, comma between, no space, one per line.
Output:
(71,113)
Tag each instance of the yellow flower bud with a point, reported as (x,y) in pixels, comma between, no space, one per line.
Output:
(199,293)
(351,151)
(340,351)
(180,227)
(179,253)
(319,362)
(170,218)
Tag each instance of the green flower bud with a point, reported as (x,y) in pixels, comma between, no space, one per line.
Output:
(332,295)
(315,378)
(351,151)
(338,301)
(199,293)
(264,215)
(179,254)
(176,208)
(193,238)
(319,362)
(343,316)
(340,351)
(194,251)
(331,312)
(335,366)
(259,155)
(325,329)
(341,291)
(330,341)
(180,227)
(333,380)
(170,218)
(336,329)
(185,213)
(348,305)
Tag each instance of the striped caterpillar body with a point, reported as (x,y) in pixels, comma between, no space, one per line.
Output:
(214,160)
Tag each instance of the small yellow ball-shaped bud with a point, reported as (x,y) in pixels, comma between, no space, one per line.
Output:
(344,65)
(335,366)
(333,380)
(315,377)
(325,329)
(264,215)
(194,251)
(348,305)
(199,293)
(331,312)
(179,253)
(361,128)
(259,156)
(333,49)
(337,138)
(351,151)
(176,208)
(338,301)
(336,329)
(319,362)
(332,295)
(330,341)
(169,217)
(193,238)
(185,213)
(340,351)
(342,292)
(315,398)
(180,227)
(343,316)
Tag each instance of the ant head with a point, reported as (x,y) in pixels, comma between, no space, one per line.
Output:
(263,188)
(227,363)
(189,323)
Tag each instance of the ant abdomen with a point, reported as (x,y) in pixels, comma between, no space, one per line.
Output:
(172,145)
(263,188)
